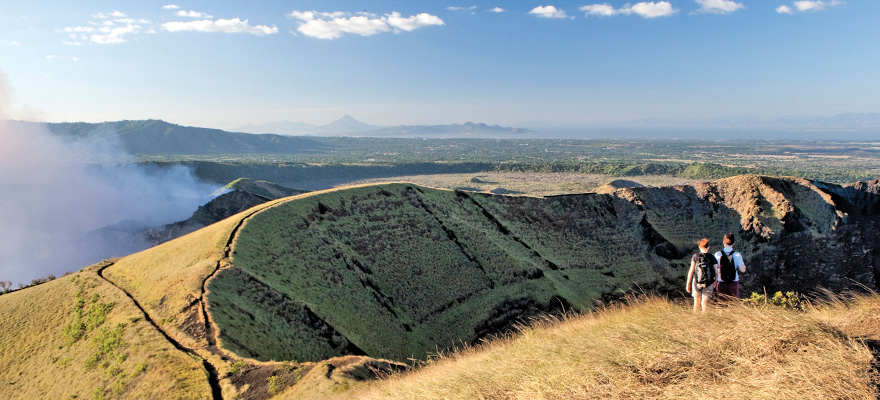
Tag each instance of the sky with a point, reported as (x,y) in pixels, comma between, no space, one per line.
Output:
(223,64)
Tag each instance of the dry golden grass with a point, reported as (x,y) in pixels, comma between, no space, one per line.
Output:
(168,278)
(36,362)
(653,349)
(856,315)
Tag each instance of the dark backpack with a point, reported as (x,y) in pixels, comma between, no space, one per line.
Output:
(728,267)
(704,269)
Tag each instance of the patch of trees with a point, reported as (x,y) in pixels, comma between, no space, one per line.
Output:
(6,286)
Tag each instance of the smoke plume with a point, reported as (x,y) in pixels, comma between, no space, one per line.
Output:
(63,203)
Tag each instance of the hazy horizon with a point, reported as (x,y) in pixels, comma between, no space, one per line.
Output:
(515,64)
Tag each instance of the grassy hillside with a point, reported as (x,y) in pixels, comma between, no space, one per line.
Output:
(81,337)
(397,270)
(282,298)
(657,349)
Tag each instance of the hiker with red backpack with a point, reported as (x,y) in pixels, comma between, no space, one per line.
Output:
(731,266)
(701,280)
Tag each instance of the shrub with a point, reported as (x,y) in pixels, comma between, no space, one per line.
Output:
(274,385)
(237,367)
(73,332)
(788,300)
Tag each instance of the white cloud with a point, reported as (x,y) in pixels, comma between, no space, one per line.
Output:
(413,22)
(193,14)
(718,6)
(234,25)
(114,35)
(808,6)
(14,43)
(51,57)
(649,9)
(111,28)
(643,9)
(784,10)
(322,25)
(453,8)
(548,12)
(497,10)
(170,7)
(86,29)
(603,10)
(334,28)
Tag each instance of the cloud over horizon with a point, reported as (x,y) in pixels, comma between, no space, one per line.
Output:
(332,25)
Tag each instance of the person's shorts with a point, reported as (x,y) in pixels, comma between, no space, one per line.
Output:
(696,291)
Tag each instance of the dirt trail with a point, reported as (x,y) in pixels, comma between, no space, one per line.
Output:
(210,331)
(222,263)
(213,377)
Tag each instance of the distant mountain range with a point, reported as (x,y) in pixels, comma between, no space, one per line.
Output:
(349,126)
(346,124)
(157,137)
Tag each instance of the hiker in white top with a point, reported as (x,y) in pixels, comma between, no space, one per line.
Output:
(701,276)
(732,265)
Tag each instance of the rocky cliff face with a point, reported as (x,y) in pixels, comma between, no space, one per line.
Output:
(794,234)
(221,207)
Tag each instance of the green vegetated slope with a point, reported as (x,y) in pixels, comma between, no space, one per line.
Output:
(81,337)
(398,271)
(390,270)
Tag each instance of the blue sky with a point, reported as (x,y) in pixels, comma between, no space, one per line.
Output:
(227,63)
